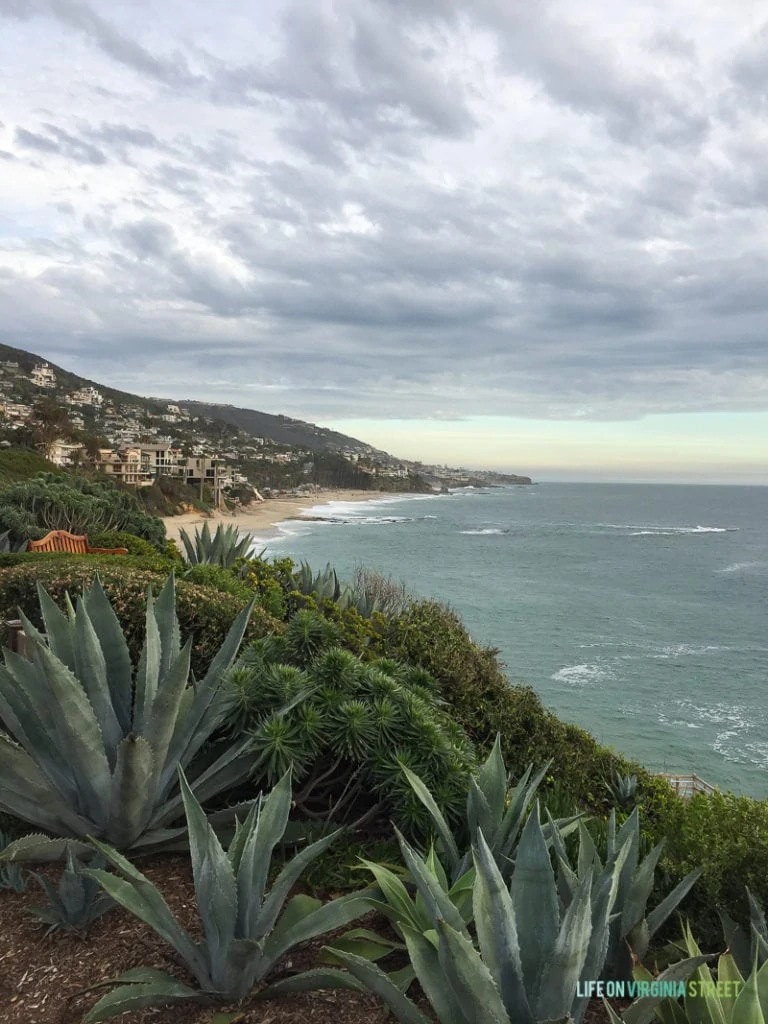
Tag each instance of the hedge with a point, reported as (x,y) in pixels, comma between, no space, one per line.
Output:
(204,613)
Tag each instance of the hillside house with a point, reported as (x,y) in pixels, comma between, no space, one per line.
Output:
(86,396)
(124,465)
(43,376)
(65,453)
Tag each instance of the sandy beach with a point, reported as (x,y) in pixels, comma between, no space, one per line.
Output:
(262,516)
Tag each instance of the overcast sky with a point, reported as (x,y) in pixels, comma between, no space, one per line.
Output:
(485,231)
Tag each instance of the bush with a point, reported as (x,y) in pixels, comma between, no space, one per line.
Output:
(204,614)
(728,836)
(122,539)
(346,728)
(217,578)
(49,502)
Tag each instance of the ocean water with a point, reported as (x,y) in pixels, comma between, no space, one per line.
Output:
(638,612)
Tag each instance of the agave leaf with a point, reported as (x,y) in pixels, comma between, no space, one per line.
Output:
(534,898)
(563,969)
(427,968)
(497,935)
(587,852)
(165,708)
(148,671)
(643,1010)
(479,815)
(168,625)
(215,885)
(203,713)
(115,650)
(42,849)
(325,918)
(640,889)
(91,671)
(364,943)
(310,981)
(751,1004)
(58,628)
(257,855)
(520,799)
(469,978)
(435,897)
(138,895)
(492,782)
(130,804)
(659,914)
(229,768)
(372,979)
(27,793)
(399,906)
(443,830)
(137,996)
(727,970)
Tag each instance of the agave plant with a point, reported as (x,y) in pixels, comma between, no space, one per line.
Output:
(751,949)
(76,901)
(223,548)
(735,998)
(631,930)
(531,953)
(623,791)
(8,545)
(11,875)
(321,585)
(246,927)
(96,745)
(491,807)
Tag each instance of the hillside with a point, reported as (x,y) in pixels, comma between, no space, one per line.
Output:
(281,429)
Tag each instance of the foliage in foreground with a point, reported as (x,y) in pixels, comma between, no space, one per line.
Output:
(204,613)
(536,941)
(348,729)
(96,746)
(247,928)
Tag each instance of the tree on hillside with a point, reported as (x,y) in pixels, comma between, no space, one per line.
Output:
(49,422)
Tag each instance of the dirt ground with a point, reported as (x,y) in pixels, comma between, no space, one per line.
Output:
(42,978)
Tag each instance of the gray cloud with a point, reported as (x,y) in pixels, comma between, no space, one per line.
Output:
(374,207)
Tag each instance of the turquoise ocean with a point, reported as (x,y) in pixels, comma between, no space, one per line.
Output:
(639,612)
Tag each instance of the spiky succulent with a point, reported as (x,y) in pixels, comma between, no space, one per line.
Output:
(734,997)
(223,548)
(346,728)
(93,746)
(632,929)
(623,791)
(752,948)
(76,901)
(491,806)
(11,875)
(529,954)
(247,928)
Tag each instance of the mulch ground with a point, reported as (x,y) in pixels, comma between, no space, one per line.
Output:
(42,978)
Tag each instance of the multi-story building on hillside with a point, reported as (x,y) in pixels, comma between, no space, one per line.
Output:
(124,465)
(64,453)
(43,376)
(85,396)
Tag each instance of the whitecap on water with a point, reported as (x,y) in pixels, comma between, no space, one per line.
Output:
(483,533)
(582,675)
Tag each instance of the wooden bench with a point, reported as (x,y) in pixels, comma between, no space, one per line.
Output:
(60,540)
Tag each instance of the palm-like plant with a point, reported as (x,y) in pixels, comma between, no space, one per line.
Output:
(246,927)
(346,728)
(93,747)
(223,548)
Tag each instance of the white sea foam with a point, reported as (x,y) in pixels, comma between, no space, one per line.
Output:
(757,568)
(483,533)
(582,675)
(679,531)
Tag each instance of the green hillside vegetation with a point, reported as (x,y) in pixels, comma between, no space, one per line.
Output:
(357,705)
(17,464)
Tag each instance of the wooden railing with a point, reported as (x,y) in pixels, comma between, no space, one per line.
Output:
(686,786)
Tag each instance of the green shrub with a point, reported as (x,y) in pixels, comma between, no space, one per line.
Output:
(17,463)
(347,729)
(77,504)
(122,539)
(217,578)
(272,581)
(728,836)
(204,614)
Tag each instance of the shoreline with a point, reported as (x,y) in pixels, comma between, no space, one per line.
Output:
(264,516)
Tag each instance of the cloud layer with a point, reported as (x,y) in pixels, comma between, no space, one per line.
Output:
(386,208)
